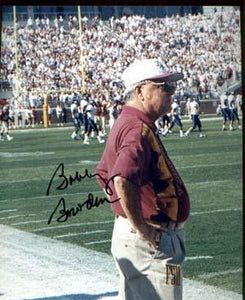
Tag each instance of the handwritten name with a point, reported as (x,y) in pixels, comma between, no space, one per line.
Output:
(65,213)
(69,180)
(65,181)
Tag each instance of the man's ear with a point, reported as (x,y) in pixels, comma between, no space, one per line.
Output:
(138,92)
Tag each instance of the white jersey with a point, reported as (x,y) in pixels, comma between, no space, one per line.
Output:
(231,102)
(74,110)
(90,110)
(175,109)
(83,104)
(194,108)
(58,111)
(224,101)
(238,100)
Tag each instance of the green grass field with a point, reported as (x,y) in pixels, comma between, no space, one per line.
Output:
(211,167)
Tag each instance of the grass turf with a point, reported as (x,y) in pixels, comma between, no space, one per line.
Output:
(211,167)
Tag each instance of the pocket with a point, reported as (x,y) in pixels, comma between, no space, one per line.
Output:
(166,247)
(171,247)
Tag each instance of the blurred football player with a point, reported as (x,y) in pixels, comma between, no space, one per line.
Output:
(195,112)
(4,122)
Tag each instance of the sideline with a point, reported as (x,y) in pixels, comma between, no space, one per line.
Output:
(38,267)
(70,126)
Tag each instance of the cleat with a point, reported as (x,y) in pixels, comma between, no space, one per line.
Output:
(100,140)
(73,136)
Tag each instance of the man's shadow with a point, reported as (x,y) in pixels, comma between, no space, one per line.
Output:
(79,296)
(141,284)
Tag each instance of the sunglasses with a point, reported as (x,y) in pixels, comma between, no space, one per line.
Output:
(167,87)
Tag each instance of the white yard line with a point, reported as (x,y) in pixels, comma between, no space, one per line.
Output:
(213,182)
(7,210)
(97,242)
(215,274)
(88,162)
(28,222)
(198,257)
(49,197)
(17,216)
(211,165)
(183,157)
(56,269)
(214,211)
(72,225)
(24,154)
(22,180)
(78,233)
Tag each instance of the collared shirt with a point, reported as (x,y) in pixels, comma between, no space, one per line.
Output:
(134,151)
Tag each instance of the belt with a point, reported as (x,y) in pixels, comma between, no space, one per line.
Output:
(167,226)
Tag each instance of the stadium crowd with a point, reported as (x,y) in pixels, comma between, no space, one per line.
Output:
(205,48)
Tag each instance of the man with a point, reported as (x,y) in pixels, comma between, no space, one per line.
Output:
(195,112)
(4,123)
(104,113)
(59,115)
(90,115)
(239,103)
(147,194)
(175,119)
(75,114)
(226,113)
(113,112)
(232,104)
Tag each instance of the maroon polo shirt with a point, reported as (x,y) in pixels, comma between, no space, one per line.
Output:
(134,151)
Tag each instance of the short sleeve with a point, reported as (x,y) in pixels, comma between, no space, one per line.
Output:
(101,172)
(132,156)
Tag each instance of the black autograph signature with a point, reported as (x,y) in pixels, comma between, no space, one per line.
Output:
(66,181)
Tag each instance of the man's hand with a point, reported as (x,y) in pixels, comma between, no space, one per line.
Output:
(151,235)
(129,195)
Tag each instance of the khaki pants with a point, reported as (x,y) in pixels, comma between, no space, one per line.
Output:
(146,273)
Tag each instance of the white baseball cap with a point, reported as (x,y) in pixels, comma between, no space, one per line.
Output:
(146,69)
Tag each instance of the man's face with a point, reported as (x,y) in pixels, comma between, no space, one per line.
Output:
(157,98)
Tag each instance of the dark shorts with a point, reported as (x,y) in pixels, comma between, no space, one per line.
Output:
(166,119)
(77,124)
(196,121)
(92,126)
(176,120)
(234,115)
(226,114)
